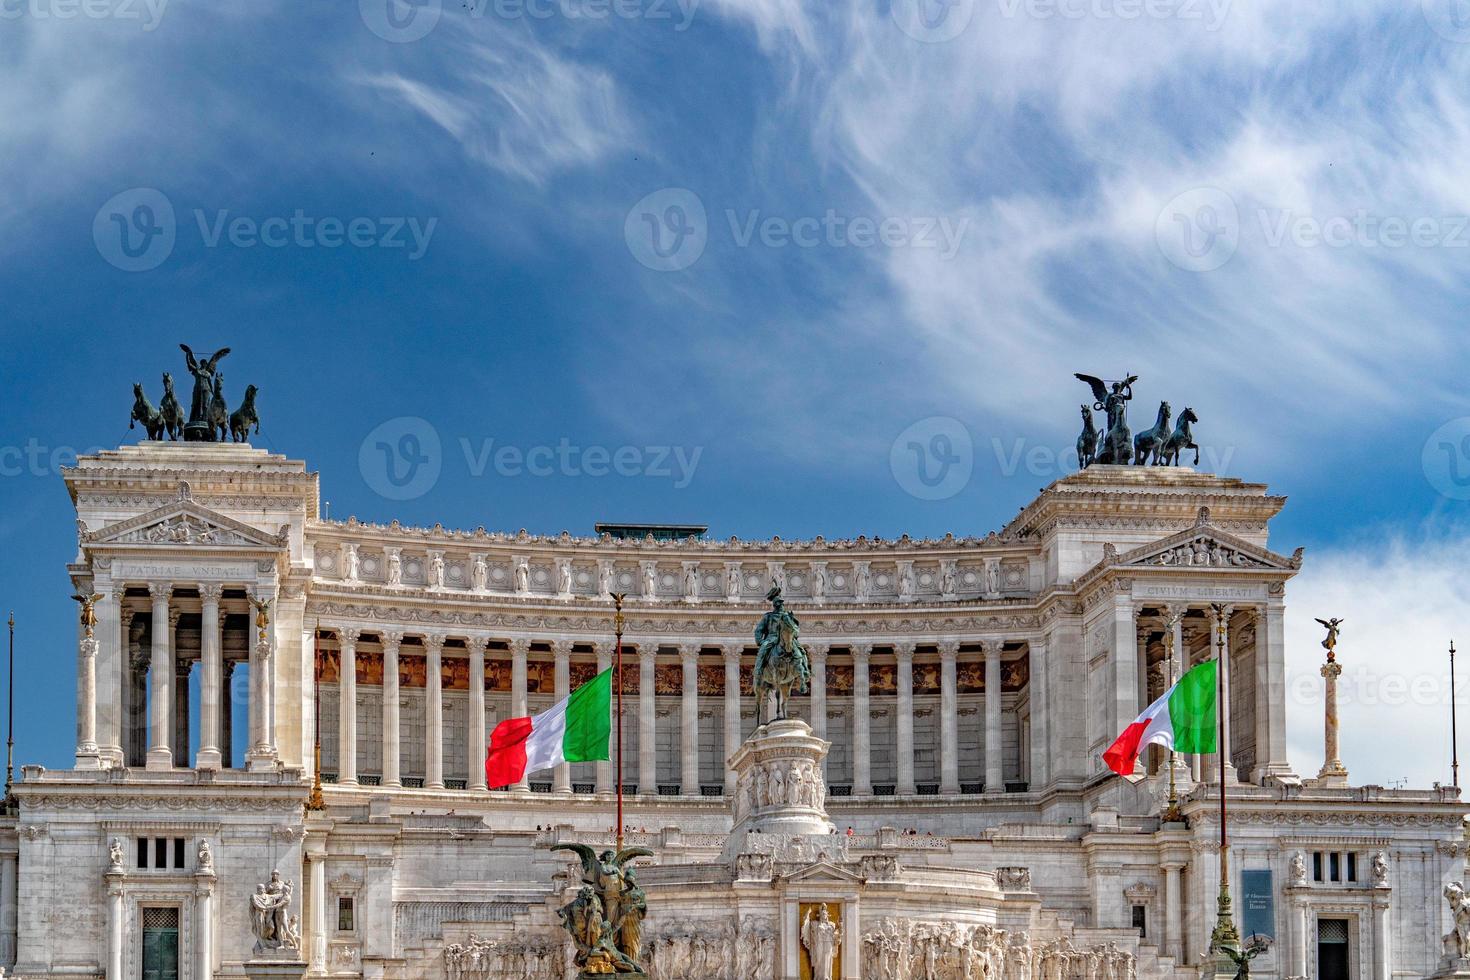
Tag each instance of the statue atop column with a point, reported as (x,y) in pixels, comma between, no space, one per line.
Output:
(781,664)
(605,920)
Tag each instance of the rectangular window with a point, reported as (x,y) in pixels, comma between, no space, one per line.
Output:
(344,914)
(1316,865)
(1140,920)
(1334,862)
(142,852)
(178,852)
(1352,867)
(160,852)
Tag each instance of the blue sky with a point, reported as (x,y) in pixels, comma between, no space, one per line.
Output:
(876,224)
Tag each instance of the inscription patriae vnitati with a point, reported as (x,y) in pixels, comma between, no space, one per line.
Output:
(187,571)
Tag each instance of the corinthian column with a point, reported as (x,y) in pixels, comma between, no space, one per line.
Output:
(161,670)
(862,720)
(689,719)
(87,756)
(604,785)
(732,652)
(476,741)
(818,654)
(949,733)
(347,708)
(904,653)
(562,670)
(434,711)
(994,770)
(1222,638)
(520,649)
(210,654)
(647,748)
(392,774)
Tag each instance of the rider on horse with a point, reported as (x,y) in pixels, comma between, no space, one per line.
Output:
(780,663)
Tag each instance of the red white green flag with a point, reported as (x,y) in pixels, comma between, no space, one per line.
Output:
(1183,719)
(575,729)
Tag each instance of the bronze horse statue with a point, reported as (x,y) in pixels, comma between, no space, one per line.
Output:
(1181,439)
(1149,444)
(219,412)
(242,418)
(170,409)
(1087,441)
(143,411)
(781,665)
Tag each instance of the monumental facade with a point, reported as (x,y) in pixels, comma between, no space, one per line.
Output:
(943,812)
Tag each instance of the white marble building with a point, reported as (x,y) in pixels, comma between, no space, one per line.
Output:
(966,688)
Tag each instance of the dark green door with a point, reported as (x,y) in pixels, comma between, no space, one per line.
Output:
(160,944)
(1332,949)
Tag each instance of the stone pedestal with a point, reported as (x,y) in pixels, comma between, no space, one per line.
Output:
(1452,966)
(779,787)
(285,964)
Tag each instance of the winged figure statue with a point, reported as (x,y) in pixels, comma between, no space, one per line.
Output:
(606,918)
(203,372)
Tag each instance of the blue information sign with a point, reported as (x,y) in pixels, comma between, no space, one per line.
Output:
(1257,904)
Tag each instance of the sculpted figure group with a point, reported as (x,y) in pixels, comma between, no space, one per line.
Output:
(719,950)
(520,958)
(903,949)
(209,418)
(605,920)
(270,916)
(1159,446)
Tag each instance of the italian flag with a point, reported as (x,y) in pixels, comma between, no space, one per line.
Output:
(1183,719)
(575,729)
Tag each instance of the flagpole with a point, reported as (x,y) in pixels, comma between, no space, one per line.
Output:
(617,598)
(1224,935)
(1454,736)
(10,723)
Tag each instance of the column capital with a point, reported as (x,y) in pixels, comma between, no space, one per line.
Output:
(161,590)
(818,650)
(126,614)
(991,648)
(348,635)
(183,668)
(561,649)
(904,649)
(434,642)
(861,652)
(949,651)
(733,651)
(647,653)
(119,592)
(391,639)
(211,592)
(173,618)
(689,653)
(476,642)
(520,646)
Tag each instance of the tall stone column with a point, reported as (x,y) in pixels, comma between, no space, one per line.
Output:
(862,721)
(1173,913)
(994,757)
(161,670)
(210,693)
(689,719)
(647,747)
(1301,936)
(1333,772)
(182,671)
(561,779)
(1271,757)
(87,756)
(116,924)
(949,725)
(1382,937)
(520,650)
(1040,696)
(818,654)
(204,882)
(392,640)
(476,740)
(1125,705)
(262,754)
(317,861)
(113,675)
(434,711)
(604,785)
(347,708)
(9,907)
(904,653)
(733,652)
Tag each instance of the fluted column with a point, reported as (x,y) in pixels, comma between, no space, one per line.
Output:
(818,654)
(476,740)
(1271,691)
(87,755)
(949,733)
(204,882)
(392,771)
(182,670)
(262,754)
(160,672)
(1173,913)
(689,720)
(114,673)
(434,711)
(732,652)
(117,927)
(561,650)
(347,708)
(647,749)
(604,786)
(903,652)
(210,647)
(862,720)
(1221,614)
(994,768)
(317,869)
(1125,705)
(520,650)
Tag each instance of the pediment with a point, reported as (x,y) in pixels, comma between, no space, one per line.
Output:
(1205,546)
(825,871)
(184,523)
